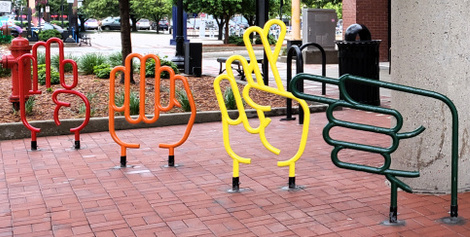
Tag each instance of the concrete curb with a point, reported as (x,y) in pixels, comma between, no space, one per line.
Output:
(17,130)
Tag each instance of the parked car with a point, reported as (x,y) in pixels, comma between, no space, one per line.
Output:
(49,26)
(212,24)
(143,24)
(189,25)
(91,24)
(163,25)
(112,23)
(14,30)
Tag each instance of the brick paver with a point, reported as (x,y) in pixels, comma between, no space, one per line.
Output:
(58,191)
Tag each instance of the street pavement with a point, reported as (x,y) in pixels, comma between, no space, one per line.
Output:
(59,191)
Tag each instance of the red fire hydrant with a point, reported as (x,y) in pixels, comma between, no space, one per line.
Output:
(18,47)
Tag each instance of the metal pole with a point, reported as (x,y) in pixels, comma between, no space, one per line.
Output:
(70,16)
(62,12)
(262,14)
(179,56)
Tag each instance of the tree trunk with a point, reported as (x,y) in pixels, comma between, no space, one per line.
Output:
(227,19)
(126,44)
(220,24)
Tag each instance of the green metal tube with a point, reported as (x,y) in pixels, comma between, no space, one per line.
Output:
(393,132)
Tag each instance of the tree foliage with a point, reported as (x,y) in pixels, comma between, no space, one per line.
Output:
(100,8)
(222,10)
(327,4)
(151,9)
(320,3)
(249,9)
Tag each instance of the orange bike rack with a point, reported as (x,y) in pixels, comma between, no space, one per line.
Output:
(127,69)
(68,88)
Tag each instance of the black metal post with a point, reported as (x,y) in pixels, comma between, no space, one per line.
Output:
(69,37)
(171,161)
(39,19)
(179,56)
(293,50)
(21,16)
(62,12)
(235,184)
(70,16)
(292,183)
(262,15)
(123,161)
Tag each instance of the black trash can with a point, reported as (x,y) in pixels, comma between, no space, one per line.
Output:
(360,58)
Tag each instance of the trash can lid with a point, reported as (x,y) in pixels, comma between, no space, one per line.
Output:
(353,30)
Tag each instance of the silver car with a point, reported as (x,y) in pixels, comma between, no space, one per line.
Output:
(143,24)
(112,23)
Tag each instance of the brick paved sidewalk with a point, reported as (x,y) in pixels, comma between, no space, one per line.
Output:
(58,191)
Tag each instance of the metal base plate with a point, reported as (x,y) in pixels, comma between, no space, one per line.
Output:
(452,220)
(238,191)
(121,167)
(388,223)
(174,166)
(297,188)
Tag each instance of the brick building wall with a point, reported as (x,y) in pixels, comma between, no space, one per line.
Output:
(374,15)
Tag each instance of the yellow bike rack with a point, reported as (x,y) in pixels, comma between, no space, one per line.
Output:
(249,70)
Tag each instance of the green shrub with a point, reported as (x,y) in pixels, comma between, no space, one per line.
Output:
(82,109)
(150,67)
(59,23)
(5,72)
(18,23)
(29,104)
(238,40)
(5,39)
(88,61)
(102,71)
(229,99)
(271,40)
(134,102)
(41,58)
(44,35)
(182,98)
(68,67)
(284,51)
(115,59)
(55,76)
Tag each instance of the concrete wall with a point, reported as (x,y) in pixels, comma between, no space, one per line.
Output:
(430,50)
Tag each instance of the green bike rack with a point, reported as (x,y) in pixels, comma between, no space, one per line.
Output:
(393,132)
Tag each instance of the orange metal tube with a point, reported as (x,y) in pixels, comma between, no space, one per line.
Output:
(171,147)
(157,108)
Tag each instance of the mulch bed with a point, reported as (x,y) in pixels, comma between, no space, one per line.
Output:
(201,87)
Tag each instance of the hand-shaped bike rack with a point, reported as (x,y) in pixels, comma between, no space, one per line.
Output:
(393,132)
(68,89)
(249,69)
(127,70)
